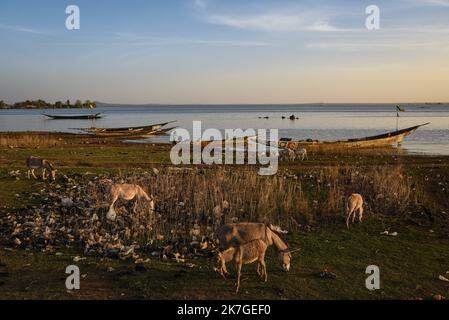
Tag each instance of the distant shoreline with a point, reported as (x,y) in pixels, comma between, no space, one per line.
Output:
(41,104)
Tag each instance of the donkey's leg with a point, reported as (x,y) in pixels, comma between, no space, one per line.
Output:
(32,173)
(43,174)
(29,174)
(265,271)
(111,207)
(360,214)
(223,270)
(349,212)
(239,271)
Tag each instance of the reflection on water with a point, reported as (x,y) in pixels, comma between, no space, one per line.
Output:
(323,122)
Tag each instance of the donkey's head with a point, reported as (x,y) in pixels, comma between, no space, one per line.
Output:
(284,258)
(48,166)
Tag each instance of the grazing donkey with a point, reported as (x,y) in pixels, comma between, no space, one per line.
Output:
(287,154)
(235,234)
(127,192)
(354,203)
(301,153)
(39,163)
(244,254)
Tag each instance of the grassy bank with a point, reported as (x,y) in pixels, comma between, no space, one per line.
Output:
(409,267)
(407,194)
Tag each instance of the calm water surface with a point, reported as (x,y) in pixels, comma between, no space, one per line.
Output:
(323,122)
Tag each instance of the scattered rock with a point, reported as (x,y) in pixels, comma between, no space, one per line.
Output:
(78,259)
(443,278)
(387,233)
(66,202)
(326,274)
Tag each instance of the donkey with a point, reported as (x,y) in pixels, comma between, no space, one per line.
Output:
(354,205)
(244,254)
(301,153)
(39,163)
(287,154)
(235,234)
(128,192)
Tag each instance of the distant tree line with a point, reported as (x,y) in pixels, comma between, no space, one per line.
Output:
(41,104)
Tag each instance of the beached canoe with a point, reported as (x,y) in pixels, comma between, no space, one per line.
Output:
(386,139)
(140,131)
(74,116)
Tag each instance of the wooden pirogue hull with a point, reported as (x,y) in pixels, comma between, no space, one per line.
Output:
(386,139)
(74,117)
(135,133)
(129,131)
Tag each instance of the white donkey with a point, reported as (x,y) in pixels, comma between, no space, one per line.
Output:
(354,204)
(127,192)
(301,153)
(286,154)
(39,163)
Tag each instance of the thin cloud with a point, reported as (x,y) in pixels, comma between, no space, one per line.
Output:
(217,43)
(439,3)
(22,29)
(131,39)
(275,22)
(375,46)
(200,4)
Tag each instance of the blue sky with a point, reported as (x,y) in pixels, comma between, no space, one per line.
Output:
(217,51)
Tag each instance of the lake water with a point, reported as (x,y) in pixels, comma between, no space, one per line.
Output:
(322,122)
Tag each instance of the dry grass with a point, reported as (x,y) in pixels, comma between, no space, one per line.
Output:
(11,139)
(48,139)
(196,198)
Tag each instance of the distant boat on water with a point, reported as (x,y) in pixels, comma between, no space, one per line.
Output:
(74,116)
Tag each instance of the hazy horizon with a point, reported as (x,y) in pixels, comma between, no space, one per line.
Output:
(225,52)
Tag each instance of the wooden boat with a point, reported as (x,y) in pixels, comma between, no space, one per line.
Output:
(386,139)
(74,116)
(141,131)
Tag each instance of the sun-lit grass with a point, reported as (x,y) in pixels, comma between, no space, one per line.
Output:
(406,194)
